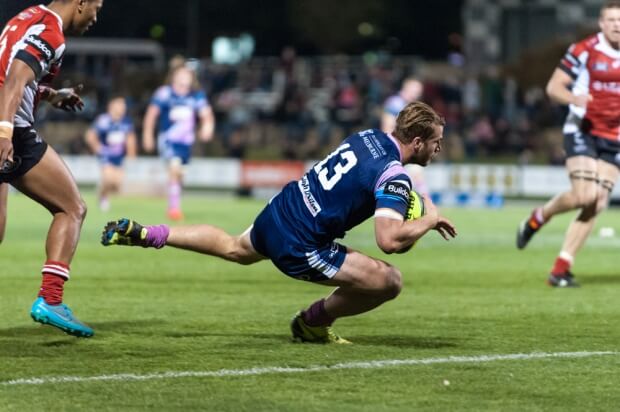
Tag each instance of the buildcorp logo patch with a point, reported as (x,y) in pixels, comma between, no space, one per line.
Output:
(397,189)
(40,45)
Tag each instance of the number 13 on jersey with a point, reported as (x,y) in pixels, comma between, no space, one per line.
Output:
(339,167)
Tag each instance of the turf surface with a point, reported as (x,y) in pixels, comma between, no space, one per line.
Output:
(174,311)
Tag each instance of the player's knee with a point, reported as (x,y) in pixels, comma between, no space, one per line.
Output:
(243,259)
(602,202)
(585,199)
(237,252)
(77,209)
(392,283)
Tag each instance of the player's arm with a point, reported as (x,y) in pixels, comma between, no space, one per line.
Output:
(394,234)
(67,99)
(11,94)
(388,122)
(148,128)
(131,145)
(207,123)
(568,70)
(92,140)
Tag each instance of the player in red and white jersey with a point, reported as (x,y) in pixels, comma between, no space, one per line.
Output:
(32,46)
(588,80)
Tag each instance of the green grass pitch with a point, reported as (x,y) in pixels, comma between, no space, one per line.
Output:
(179,312)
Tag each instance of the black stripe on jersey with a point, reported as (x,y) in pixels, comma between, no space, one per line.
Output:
(31,61)
(42,46)
(567,70)
(571,58)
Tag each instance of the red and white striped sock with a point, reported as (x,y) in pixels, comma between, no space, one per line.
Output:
(562,264)
(55,274)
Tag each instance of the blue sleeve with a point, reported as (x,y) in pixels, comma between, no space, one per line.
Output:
(99,125)
(393,193)
(201,100)
(160,97)
(128,125)
(393,106)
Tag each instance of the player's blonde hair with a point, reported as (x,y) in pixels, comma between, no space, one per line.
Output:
(417,119)
(610,4)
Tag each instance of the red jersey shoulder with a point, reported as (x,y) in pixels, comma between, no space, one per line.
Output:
(584,45)
(41,32)
(29,13)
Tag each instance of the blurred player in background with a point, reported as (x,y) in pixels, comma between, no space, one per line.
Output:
(411,90)
(363,177)
(591,141)
(177,105)
(111,137)
(32,47)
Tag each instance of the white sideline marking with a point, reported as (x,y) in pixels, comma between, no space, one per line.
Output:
(285,369)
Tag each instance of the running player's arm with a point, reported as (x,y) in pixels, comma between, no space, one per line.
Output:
(131,145)
(388,117)
(388,122)
(207,119)
(11,94)
(558,87)
(207,124)
(92,139)
(148,127)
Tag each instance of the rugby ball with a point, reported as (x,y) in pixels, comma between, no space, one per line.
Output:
(416,206)
(414,211)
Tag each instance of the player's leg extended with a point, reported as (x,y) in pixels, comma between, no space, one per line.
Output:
(363,283)
(205,239)
(4,190)
(213,241)
(579,229)
(50,183)
(582,171)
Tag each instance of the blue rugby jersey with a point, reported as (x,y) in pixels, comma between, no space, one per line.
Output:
(177,114)
(394,104)
(363,174)
(112,134)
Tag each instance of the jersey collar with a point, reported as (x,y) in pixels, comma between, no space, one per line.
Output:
(54,14)
(605,47)
(400,152)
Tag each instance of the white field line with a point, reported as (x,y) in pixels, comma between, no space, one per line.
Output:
(284,369)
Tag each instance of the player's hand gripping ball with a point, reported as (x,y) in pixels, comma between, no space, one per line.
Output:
(416,210)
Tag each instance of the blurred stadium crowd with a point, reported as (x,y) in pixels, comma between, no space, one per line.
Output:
(296,107)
